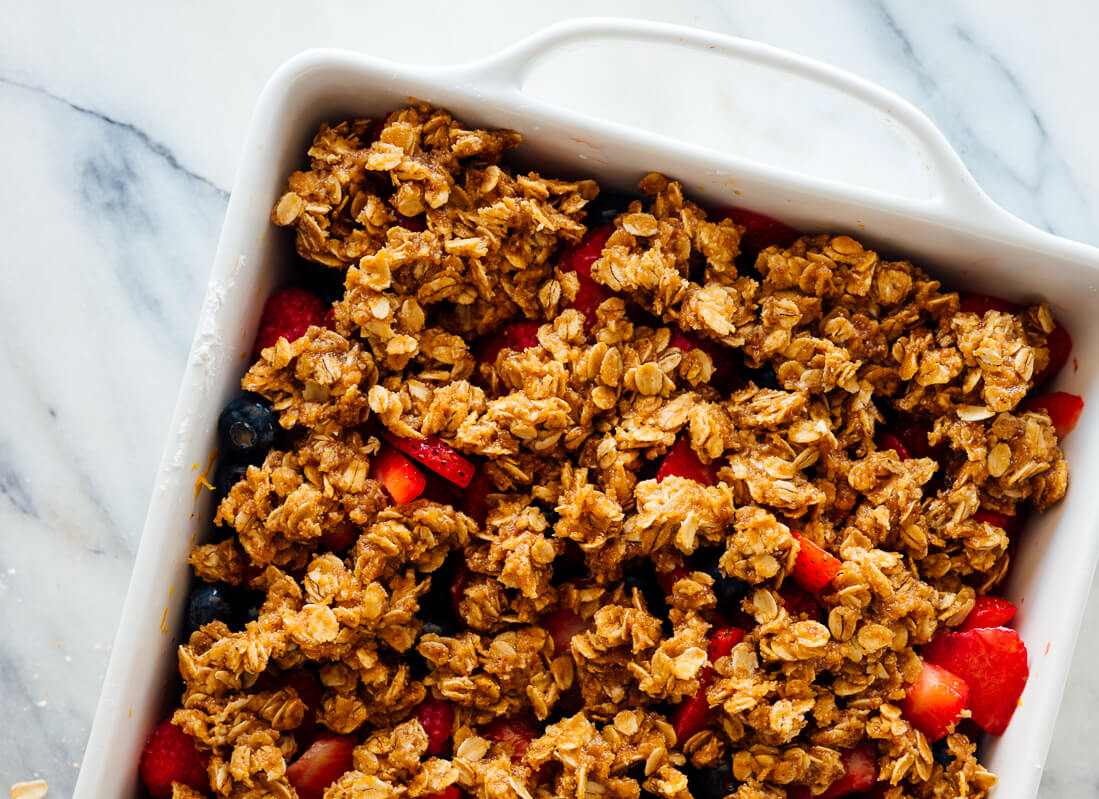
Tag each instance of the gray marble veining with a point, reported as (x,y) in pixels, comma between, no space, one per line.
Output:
(122,122)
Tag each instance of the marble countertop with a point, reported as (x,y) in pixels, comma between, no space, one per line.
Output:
(122,125)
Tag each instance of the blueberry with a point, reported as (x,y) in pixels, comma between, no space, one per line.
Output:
(711,783)
(246,607)
(765,377)
(208,602)
(941,752)
(642,576)
(609,204)
(246,429)
(728,590)
(437,607)
(228,474)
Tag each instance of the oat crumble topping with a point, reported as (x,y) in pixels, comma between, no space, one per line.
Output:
(567,433)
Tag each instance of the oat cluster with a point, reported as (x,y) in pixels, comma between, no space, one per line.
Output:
(830,340)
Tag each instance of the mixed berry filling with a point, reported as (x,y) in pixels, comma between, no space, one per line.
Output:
(569,493)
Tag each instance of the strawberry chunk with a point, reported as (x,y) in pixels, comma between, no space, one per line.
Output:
(341,538)
(416,224)
(437,455)
(563,624)
(437,719)
(760,231)
(1012,525)
(475,497)
(681,461)
(912,433)
(517,336)
(450,792)
(395,472)
(935,702)
(309,691)
(170,756)
(886,440)
(723,641)
(861,772)
(815,566)
(321,764)
(666,580)
(458,587)
(288,314)
(515,734)
(988,611)
(580,257)
(980,304)
(1063,409)
(993,662)
(692,715)
(1059,343)
(800,602)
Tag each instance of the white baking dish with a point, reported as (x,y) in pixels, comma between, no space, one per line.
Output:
(958,233)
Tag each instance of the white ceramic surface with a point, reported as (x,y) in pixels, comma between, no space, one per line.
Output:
(117,158)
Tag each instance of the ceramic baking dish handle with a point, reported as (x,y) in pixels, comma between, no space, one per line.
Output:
(956,190)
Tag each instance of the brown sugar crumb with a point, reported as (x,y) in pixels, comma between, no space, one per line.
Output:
(564,604)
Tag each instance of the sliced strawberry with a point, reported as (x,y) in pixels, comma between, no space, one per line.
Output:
(988,611)
(515,734)
(861,772)
(800,602)
(450,792)
(341,538)
(982,303)
(666,580)
(1012,525)
(726,374)
(815,566)
(1059,343)
(886,440)
(589,296)
(1063,409)
(580,257)
(760,231)
(437,455)
(692,715)
(517,336)
(170,756)
(395,472)
(475,497)
(416,224)
(563,624)
(993,661)
(329,320)
(935,702)
(681,461)
(458,587)
(723,641)
(437,719)
(321,765)
(913,433)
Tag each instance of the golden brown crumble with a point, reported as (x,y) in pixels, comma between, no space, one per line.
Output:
(829,339)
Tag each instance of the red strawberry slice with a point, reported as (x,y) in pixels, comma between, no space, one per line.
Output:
(913,433)
(563,624)
(517,336)
(437,719)
(416,224)
(681,461)
(515,734)
(395,472)
(329,319)
(1012,525)
(800,602)
(988,611)
(982,303)
(886,440)
(589,296)
(288,314)
(437,455)
(692,715)
(726,374)
(666,580)
(458,587)
(815,566)
(475,497)
(861,772)
(760,231)
(580,257)
(321,765)
(1063,409)
(1059,343)
(450,792)
(170,756)
(723,641)
(340,539)
(993,662)
(935,702)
